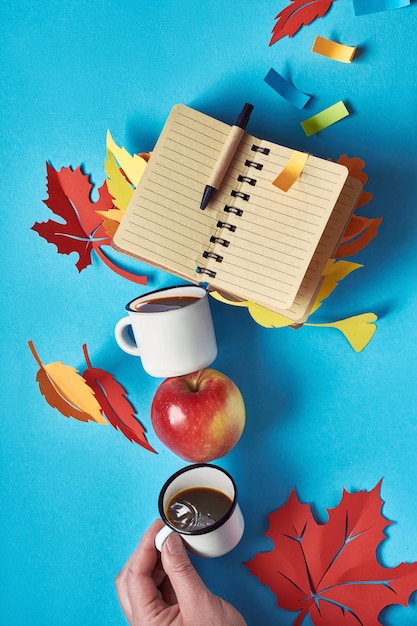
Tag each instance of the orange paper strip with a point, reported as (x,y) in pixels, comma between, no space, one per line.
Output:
(291,171)
(334,50)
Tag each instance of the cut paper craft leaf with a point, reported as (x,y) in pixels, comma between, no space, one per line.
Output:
(330,571)
(298,14)
(113,402)
(334,272)
(81,231)
(292,170)
(358,329)
(333,50)
(124,172)
(111,220)
(69,197)
(360,230)
(364,7)
(359,233)
(325,118)
(355,166)
(65,390)
(286,89)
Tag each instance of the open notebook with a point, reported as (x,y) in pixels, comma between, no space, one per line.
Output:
(254,241)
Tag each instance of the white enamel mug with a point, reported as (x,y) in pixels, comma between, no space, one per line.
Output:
(224,534)
(171,342)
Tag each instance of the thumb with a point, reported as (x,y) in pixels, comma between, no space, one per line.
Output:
(186,583)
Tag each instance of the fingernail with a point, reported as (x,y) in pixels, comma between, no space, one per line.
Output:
(174,544)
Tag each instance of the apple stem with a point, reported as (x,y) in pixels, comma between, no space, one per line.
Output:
(197,380)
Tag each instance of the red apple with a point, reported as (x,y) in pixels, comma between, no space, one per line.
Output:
(198,416)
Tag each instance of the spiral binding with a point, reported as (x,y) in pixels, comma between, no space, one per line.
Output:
(212,255)
(220,240)
(247,179)
(233,209)
(254,164)
(208,254)
(260,149)
(204,270)
(230,227)
(240,194)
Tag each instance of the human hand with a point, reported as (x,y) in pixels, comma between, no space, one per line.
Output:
(165,590)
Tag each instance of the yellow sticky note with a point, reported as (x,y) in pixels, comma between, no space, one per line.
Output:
(325,118)
(291,171)
(334,50)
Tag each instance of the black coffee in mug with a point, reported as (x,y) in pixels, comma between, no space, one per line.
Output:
(158,305)
(196,508)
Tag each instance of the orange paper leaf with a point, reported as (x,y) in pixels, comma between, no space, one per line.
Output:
(65,390)
(358,234)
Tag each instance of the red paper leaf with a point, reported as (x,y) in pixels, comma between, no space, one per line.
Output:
(116,407)
(69,197)
(299,13)
(330,571)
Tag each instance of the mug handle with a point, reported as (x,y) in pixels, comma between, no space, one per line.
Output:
(161,536)
(123,337)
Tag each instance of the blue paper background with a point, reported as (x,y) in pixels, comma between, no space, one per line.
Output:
(75,497)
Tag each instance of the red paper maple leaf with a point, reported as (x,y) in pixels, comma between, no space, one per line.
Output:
(69,197)
(82,229)
(299,13)
(330,571)
(116,407)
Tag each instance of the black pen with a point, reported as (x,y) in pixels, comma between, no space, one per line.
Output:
(226,155)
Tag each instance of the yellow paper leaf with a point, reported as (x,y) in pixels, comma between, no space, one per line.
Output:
(124,172)
(65,390)
(262,316)
(358,329)
(334,272)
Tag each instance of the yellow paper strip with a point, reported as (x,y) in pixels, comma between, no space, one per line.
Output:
(291,171)
(334,50)
(325,118)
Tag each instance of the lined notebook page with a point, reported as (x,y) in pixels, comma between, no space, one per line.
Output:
(275,238)
(306,296)
(278,233)
(164,225)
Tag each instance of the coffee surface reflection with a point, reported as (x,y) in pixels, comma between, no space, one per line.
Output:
(197,508)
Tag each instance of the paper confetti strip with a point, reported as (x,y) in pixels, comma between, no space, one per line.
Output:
(325,118)
(334,50)
(363,7)
(286,89)
(291,171)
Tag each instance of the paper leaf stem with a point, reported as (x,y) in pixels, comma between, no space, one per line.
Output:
(65,390)
(330,571)
(114,403)
(299,13)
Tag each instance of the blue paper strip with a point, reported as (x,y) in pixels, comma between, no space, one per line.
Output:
(286,89)
(363,7)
